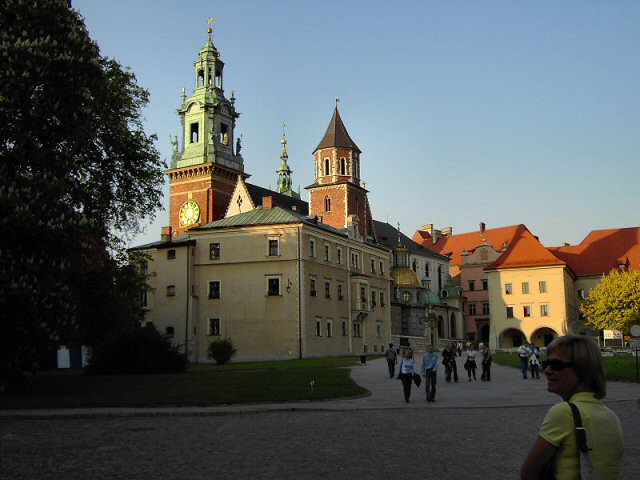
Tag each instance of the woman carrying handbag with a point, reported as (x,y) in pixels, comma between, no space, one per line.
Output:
(406,373)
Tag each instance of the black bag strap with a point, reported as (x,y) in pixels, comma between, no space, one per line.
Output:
(581,434)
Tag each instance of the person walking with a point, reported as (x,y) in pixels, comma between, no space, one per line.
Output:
(534,365)
(487,358)
(574,372)
(449,362)
(392,358)
(429,371)
(407,370)
(470,364)
(523,353)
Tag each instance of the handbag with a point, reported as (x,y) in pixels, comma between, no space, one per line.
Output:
(416,379)
(586,468)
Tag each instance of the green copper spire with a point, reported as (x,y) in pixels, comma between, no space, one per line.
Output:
(284,172)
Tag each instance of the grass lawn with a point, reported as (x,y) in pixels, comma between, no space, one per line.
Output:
(619,367)
(256,382)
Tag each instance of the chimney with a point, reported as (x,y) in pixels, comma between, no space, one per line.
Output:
(483,227)
(447,231)
(267,202)
(167,233)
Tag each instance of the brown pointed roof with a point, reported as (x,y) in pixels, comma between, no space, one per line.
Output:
(337,135)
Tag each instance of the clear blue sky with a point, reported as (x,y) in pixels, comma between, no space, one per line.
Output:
(465,111)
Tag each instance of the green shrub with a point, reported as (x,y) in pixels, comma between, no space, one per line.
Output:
(139,351)
(222,350)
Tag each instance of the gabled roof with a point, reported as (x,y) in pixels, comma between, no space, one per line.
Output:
(453,245)
(336,135)
(256,193)
(602,250)
(525,250)
(387,235)
(266,216)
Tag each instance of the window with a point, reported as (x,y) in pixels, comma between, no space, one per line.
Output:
(329,328)
(340,296)
(544,310)
(169,332)
(193,133)
(381,267)
(274,248)
(373,265)
(356,329)
(214,251)
(542,286)
(345,331)
(485,308)
(145,300)
(508,288)
(327,289)
(214,289)
(581,294)
(426,269)
(327,167)
(373,298)
(214,327)
(355,260)
(485,284)
(327,253)
(382,299)
(338,255)
(171,254)
(312,287)
(414,266)
(406,296)
(343,166)
(472,309)
(312,248)
(171,290)
(484,255)
(509,312)
(379,331)
(363,294)
(526,310)
(318,328)
(273,286)
(525,287)
(327,204)
(472,285)
(144,267)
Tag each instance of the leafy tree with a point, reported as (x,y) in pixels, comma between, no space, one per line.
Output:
(614,304)
(77,174)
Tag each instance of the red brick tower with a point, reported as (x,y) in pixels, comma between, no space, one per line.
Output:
(336,197)
(204,172)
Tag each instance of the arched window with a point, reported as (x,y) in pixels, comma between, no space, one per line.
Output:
(343,166)
(327,167)
(426,269)
(439,278)
(441,326)
(414,266)
(452,326)
(327,204)
(200,78)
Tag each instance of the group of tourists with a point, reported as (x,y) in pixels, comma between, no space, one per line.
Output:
(579,437)
(529,355)
(430,361)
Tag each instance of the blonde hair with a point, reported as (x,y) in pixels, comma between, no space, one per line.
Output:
(587,361)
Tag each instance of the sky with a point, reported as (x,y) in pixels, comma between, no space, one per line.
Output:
(465,111)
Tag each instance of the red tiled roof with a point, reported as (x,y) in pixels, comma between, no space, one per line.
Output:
(602,250)
(525,251)
(453,245)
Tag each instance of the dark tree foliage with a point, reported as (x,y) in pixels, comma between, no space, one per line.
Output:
(77,174)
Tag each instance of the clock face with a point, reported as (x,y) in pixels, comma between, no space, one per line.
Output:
(189,213)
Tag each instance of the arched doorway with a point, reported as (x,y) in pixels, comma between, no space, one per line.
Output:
(511,338)
(542,337)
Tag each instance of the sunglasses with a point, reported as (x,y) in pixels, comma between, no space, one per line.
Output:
(556,365)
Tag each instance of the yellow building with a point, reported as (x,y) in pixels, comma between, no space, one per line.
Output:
(277,283)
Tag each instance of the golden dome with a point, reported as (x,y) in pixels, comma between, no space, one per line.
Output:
(405,277)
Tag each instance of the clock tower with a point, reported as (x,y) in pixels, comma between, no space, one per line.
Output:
(203,173)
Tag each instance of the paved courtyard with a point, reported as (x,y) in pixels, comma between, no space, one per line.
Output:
(473,430)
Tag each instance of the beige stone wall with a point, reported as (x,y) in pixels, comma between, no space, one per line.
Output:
(558,281)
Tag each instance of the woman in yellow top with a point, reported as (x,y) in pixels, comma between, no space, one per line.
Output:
(574,371)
